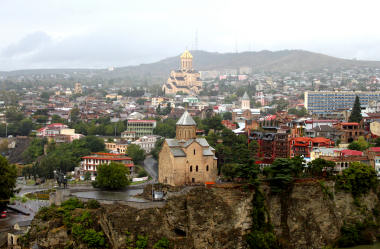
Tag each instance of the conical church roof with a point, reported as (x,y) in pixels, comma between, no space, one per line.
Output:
(186,55)
(245,96)
(186,119)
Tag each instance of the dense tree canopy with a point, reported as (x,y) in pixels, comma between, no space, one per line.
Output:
(111,176)
(358,179)
(137,154)
(63,157)
(360,144)
(282,173)
(8,176)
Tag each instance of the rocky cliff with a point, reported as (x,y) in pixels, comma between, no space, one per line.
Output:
(310,216)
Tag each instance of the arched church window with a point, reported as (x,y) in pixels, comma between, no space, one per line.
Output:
(207,168)
(191,168)
(196,168)
(194,151)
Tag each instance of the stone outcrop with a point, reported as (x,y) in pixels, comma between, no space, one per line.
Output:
(310,216)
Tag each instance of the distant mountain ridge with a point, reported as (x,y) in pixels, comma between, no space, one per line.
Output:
(277,61)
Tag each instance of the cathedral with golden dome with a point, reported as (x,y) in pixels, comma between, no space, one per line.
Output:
(185,80)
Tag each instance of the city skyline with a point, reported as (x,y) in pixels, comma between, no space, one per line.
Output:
(97,34)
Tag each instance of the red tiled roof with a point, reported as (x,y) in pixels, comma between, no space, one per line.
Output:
(320,140)
(351,153)
(374,149)
(107,158)
(321,121)
(349,123)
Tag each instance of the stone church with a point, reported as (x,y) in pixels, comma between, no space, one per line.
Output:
(186,79)
(186,159)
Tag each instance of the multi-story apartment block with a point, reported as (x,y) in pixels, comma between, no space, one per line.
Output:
(139,128)
(328,101)
(271,145)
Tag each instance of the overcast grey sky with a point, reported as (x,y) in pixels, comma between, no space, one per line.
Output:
(103,33)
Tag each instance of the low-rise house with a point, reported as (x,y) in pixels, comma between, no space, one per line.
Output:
(351,131)
(344,158)
(120,147)
(324,131)
(229,125)
(146,143)
(302,146)
(59,133)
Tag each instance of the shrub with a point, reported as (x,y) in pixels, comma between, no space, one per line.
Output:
(141,242)
(163,243)
(72,204)
(353,234)
(93,204)
(93,238)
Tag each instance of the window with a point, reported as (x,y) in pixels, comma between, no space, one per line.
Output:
(192,179)
(191,168)
(196,168)
(194,151)
(207,168)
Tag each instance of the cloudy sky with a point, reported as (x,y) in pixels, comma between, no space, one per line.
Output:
(103,33)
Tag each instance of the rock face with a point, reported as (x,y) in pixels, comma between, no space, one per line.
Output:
(310,216)
(202,218)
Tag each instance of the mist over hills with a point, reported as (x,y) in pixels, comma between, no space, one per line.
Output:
(283,61)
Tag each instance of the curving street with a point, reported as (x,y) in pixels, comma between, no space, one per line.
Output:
(151,166)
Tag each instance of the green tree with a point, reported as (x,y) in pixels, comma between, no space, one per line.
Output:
(377,142)
(140,101)
(157,148)
(13,115)
(358,179)
(227,116)
(360,144)
(87,176)
(57,119)
(137,154)
(229,170)
(25,127)
(356,114)
(8,174)
(320,167)
(75,115)
(282,173)
(166,128)
(93,143)
(111,176)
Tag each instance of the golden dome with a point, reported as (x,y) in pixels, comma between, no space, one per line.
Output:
(186,55)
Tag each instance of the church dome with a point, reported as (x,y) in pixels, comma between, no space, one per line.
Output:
(186,55)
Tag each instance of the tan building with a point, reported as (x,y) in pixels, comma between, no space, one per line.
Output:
(186,79)
(117,147)
(186,159)
(78,88)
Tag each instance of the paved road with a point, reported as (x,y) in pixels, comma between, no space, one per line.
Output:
(150,165)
